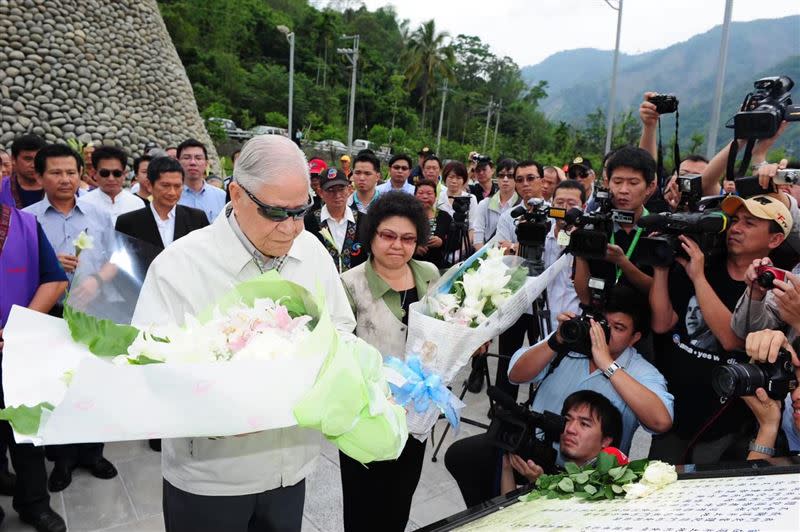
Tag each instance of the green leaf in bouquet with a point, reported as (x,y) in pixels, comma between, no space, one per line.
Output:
(605,462)
(143,360)
(103,337)
(617,489)
(571,468)
(608,492)
(638,466)
(582,495)
(518,278)
(590,489)
(627,478)
(566,485)
(617,472)
(580,478)
(25,419)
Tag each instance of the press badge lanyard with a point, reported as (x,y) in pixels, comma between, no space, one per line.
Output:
(632,246)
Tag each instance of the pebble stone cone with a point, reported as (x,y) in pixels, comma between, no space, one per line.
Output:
(102,71)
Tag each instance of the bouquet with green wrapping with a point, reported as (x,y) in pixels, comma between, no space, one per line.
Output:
(265,356)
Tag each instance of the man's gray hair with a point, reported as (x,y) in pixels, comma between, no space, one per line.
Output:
(269,159)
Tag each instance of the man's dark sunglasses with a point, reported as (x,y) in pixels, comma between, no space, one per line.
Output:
(104,173)
(278,214)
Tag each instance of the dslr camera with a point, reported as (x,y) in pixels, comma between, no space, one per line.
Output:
(707,228)
(593,230)
(575,331)
(460,209)
(735,380)
(691,188)
(764,109)
(514,429)
(533,225)
(665,103)
(479,159)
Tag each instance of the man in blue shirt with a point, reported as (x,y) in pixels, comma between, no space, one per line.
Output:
(198,194)
(63,217)
(612,368)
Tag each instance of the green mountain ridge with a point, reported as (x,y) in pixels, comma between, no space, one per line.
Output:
(687,69)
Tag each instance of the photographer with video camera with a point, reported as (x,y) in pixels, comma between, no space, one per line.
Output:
(591,423)
(631,180)
(692,311)
(595,357)
(763,389)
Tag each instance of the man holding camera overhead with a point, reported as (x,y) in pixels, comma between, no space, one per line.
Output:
(692,324)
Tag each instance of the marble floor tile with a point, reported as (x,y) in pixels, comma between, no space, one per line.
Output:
(142,479)
(93,504)
(323,507)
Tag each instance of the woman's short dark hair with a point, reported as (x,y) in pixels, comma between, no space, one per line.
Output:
(507,164)
(601,407)
(455,167)
(426,183)
(633,157)
(161,165)
(50,151)
(394,203)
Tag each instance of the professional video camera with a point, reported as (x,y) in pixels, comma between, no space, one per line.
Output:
(514,429)
(575,331)
(707,228)
(764,109)
(533,225)
(735,380)
(460,209)
(593,230)
(691,189)
(481,159)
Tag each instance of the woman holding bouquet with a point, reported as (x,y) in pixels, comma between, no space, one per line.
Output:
(380,292)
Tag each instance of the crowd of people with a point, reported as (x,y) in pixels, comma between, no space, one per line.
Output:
(375,238)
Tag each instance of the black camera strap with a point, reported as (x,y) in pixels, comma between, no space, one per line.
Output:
(730,171)
(661,176)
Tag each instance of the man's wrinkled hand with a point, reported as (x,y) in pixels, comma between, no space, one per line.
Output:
(695,266)
(615,255)
(68,262)
(647,111)
(757,291)
(787,296)
(527,468)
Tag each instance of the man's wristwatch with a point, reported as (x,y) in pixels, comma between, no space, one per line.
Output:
(610,370)
(758,448)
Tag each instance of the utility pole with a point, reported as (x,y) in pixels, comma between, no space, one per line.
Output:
(488,119)
(613,95)
(441,116)
(496,126)
(290,37)
(352,56)
(713,128)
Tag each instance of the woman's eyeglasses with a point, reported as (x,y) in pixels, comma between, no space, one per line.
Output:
(278,214)
(390,237)
(104,173)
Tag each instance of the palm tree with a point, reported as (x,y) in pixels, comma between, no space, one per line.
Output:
(427,57)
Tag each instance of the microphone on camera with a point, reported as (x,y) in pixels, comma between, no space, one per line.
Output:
(653,222)
(706,222)
(518,211)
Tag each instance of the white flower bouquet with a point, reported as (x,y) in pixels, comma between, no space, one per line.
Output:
(470,305)
(266,356)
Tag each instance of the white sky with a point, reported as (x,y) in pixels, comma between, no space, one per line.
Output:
(529,31)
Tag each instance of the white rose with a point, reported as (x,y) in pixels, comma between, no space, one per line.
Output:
(659,474)
(637,491)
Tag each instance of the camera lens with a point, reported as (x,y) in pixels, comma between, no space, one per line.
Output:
(736,380)
(766,280)
(573,330)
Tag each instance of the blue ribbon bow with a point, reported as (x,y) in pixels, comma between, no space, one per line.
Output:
(423,388)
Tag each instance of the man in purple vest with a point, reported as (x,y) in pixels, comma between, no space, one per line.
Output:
(30,276)
(22,188)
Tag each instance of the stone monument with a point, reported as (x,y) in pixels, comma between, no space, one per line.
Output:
(100,71)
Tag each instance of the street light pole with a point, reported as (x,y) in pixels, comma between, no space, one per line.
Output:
(496,126)
(352,56)
(613,95)
(711,145)
(488,118)
(290,37)
(441,116)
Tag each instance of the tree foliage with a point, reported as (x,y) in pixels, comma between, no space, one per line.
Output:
(237,62)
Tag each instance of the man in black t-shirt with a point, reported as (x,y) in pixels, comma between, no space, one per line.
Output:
(631,181)
(692,305)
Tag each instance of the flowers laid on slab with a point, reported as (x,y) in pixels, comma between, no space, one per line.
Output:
(265,356)
(479,289)
(610,476)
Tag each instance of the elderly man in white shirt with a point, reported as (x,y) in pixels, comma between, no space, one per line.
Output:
(252,482)
(110,164)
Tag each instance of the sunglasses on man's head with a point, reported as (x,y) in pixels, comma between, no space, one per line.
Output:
(278,214)
(104,173)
